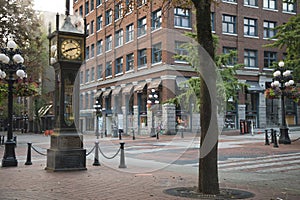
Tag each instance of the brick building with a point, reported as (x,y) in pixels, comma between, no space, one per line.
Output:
(130,51)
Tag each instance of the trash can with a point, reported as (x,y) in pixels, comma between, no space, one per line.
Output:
(242,126)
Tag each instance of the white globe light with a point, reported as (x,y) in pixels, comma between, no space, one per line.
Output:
(272,84)
(157,102)
(11,44)
(276,73)
(291,82)
(18,59)
(53,48)
(52,60)
(287,84)
(281,64)
(20,73)
(276,83)
(149,102)
(287,73)
(2,74)
(2,57)
(156,96)
(5,59)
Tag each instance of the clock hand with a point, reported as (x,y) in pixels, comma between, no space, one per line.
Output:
(69,49)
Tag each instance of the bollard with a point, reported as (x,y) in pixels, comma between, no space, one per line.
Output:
(96,160)
(28,160)
(133,135)
(120,135)
(272,135)
(275,140)
(182,133)
(267,137)
(122,156)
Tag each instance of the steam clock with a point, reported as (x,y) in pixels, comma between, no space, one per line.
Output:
(66,50)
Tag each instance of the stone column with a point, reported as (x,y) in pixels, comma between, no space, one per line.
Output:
(169,118)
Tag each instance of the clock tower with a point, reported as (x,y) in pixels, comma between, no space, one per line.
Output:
(66,53)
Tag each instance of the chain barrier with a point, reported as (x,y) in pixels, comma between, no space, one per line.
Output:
(43,154)
(90,151)
(107,156)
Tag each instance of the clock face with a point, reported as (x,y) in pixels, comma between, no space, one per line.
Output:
(70,49)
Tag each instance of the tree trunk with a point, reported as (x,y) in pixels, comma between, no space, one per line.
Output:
(208,182)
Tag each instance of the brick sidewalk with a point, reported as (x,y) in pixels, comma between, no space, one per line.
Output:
(103,182)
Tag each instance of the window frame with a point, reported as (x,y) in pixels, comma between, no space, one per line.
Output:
(142,57)
(250,58)
(119,38)
(156,19)
(108,69)
(130,62)
(142,26)
(156,53)
(130,32)
(108,17)
(229,24)
(268,31)
(269,58)
(248,27)
(179,18)
(119,65)
(108,43)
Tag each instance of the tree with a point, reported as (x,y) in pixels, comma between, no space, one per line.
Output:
(288,36)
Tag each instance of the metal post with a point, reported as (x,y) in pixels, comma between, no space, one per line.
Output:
(275,140)
(133,135)
(122,156)
(28,160)
(96,160)
(284,131)
(266,137)
(120,135)
(15,140)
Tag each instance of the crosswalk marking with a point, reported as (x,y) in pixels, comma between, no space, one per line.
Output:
(265,164)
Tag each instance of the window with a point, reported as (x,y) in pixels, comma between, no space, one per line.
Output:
(129,62)
(81,11)
(87,53)
(180,50)
(229,24)
(129,32)
(250,27)
(108,69)
(156,19)
(141,2)
(269,58)
(92,73)
(92,27)
(142,26)
(270,4)
(250,2)
(119,65)
(119,38)
(92,50)
(118,11)
(234,1)
(92,5)
(86,100)
(98,2)
(156,53)
(250,58)
(142,57)
(108,17)
(182,18)
(213,28)
(108,43)
(269,29)
(88,29)
(288,7)
(99,71)
(129,6)
(99,23)
(231,61)
(87,75)
(86,8)
(99,47)
(81,77)
(92,99)
(81,102)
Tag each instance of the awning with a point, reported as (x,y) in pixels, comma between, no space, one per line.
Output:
(98,93)
(127,90)
(116,91)
(154,84)
(140,87)
(253,87)
(106,93)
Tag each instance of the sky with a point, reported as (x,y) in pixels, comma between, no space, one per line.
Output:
(51,5)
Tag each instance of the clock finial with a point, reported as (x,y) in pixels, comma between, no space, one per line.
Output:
(67,7)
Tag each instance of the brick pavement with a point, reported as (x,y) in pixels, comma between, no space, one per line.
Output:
(103,182)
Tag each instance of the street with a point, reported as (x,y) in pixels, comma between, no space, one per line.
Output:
(245,162)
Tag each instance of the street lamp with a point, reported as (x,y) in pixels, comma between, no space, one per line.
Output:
(11,62)
(98,109)
(283,79)
(152,100)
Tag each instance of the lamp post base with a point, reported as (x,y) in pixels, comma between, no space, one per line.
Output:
(284,136)
(9,158)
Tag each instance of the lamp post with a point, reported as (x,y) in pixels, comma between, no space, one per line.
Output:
(153,100)
(282,80)
(98,109)
(11,63)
